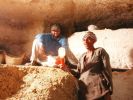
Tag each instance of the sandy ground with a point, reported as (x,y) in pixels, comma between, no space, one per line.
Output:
(123,89)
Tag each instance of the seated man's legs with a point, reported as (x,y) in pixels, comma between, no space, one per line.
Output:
(38,52)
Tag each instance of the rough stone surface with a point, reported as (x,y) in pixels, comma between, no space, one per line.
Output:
(20,20)
(36,83)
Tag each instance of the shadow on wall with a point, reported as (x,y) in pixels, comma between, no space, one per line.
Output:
(11,79)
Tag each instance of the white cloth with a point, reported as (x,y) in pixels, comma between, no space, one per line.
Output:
(38,51)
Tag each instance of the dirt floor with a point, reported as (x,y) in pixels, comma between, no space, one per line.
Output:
(123,89)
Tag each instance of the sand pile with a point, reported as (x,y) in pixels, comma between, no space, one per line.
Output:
(36,83)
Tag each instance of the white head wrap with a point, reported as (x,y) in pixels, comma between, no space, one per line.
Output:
(90,35)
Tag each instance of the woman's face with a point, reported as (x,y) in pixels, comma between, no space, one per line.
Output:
(55,33)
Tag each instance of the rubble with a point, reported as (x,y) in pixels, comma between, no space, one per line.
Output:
(36,83)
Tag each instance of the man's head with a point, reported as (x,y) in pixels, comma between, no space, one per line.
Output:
(89,39)
(55,30)
(91,36)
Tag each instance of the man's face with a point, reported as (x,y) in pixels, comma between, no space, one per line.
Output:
(55,32)
(88,42)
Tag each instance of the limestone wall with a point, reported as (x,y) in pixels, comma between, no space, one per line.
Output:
(118,44)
